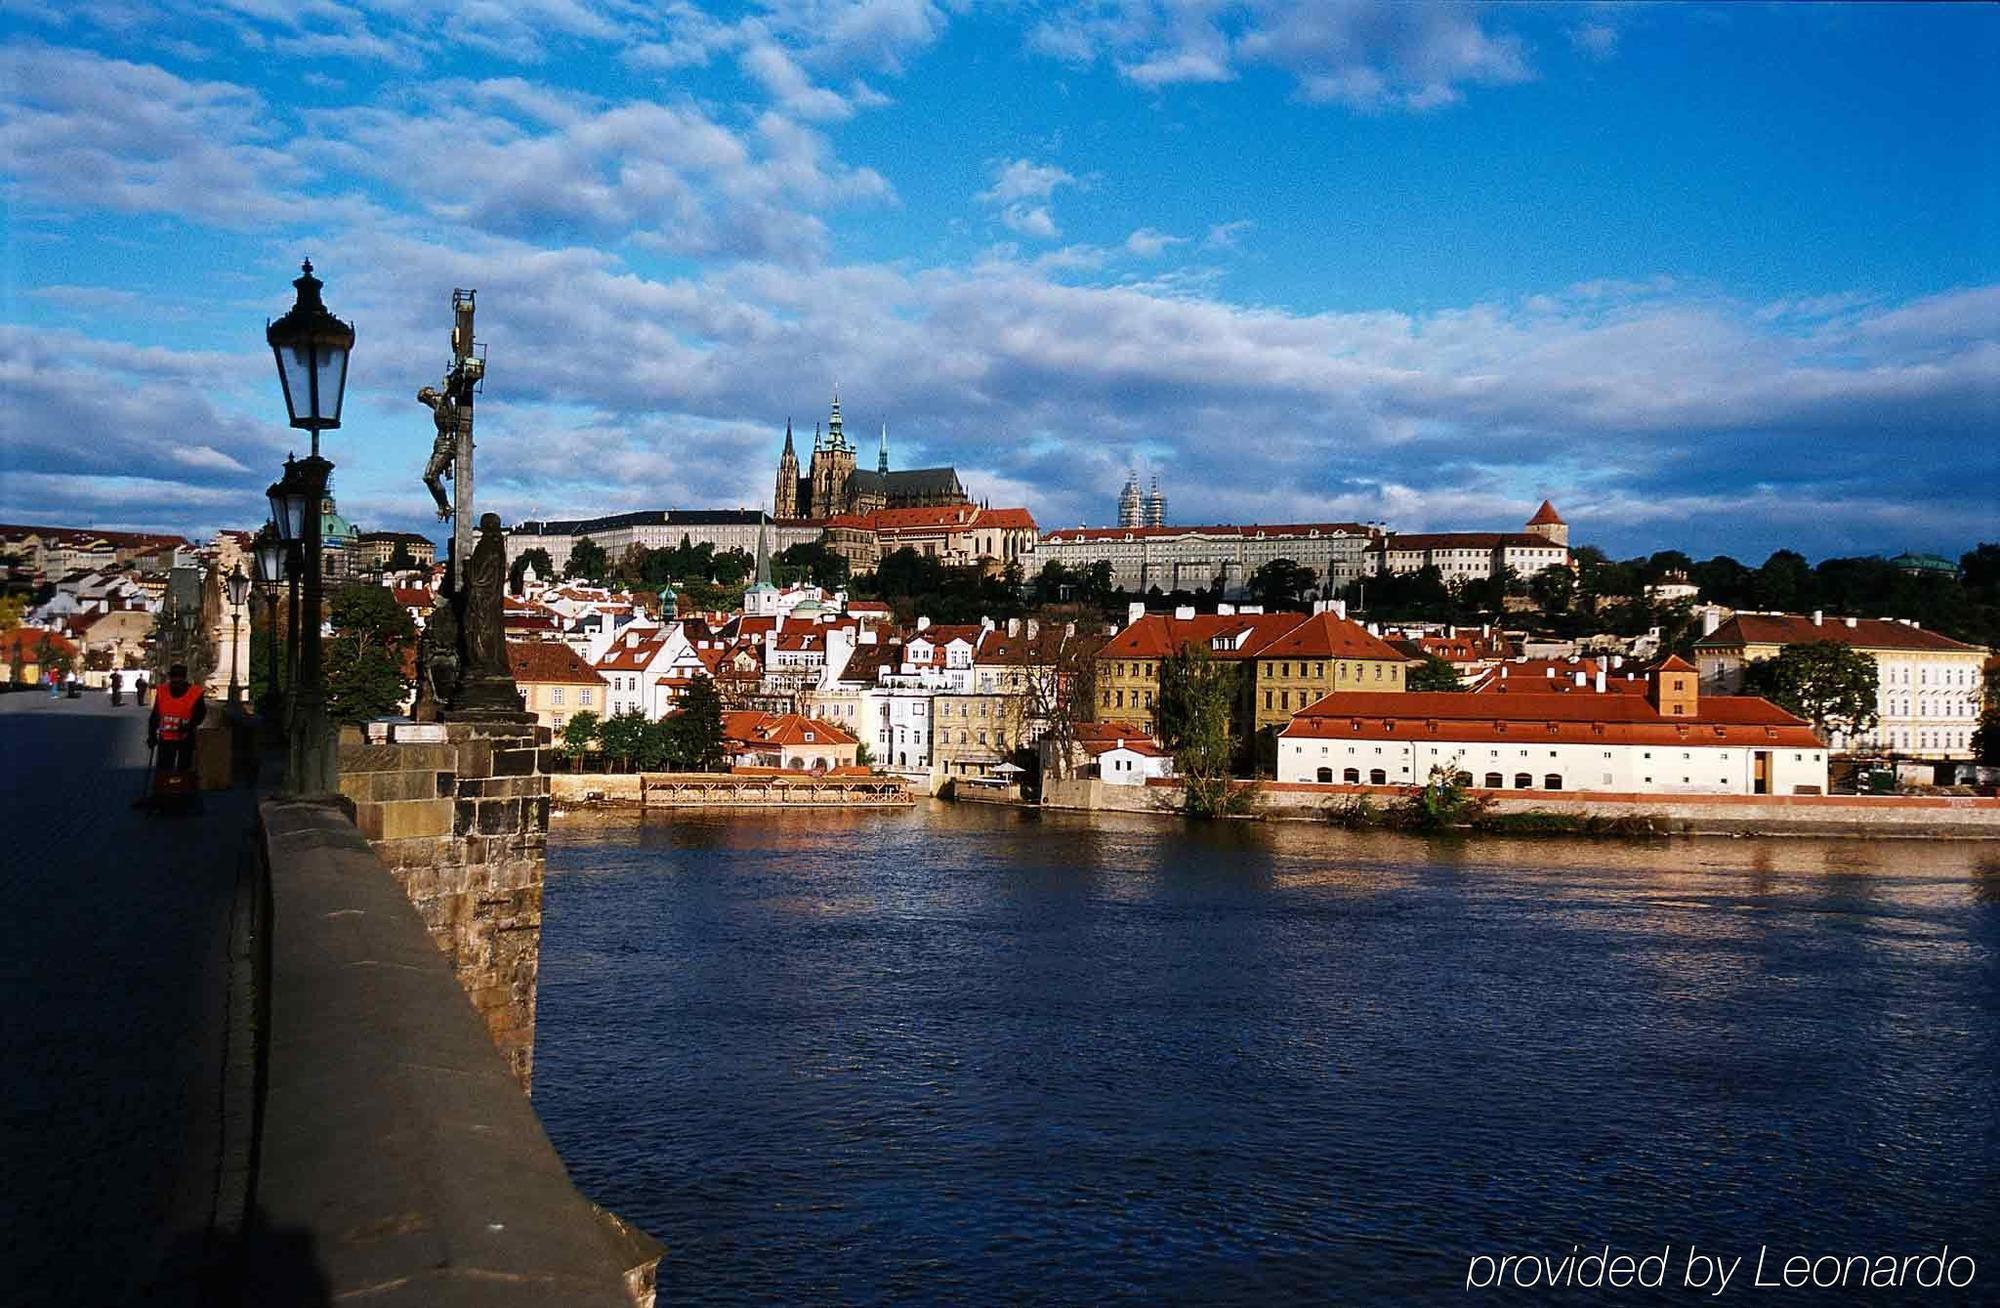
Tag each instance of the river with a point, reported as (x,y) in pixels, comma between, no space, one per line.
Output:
(974,1055)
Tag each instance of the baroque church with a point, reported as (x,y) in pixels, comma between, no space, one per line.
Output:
(832,485)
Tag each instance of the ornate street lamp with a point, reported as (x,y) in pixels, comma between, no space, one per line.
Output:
(270,551)
(311,347)
(238,587)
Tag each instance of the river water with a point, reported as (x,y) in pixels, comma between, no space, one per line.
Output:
(972,1055)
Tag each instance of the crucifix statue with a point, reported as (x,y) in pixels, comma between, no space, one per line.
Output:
(450,403)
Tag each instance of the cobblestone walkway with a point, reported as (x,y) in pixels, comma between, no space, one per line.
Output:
(115,967)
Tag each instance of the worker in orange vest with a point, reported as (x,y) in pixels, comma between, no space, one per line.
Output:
(178,708)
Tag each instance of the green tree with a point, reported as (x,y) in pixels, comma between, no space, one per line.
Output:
(537,558)
(1986,738)
(696,739)
(622,735)
(587,560)
(12,609)
(372,636)
(1433,673)
(810,561)
(1829,684)
(400,558)
(1553,589)
(1282,585)
(1785,582)
(1196,693)
(578,735)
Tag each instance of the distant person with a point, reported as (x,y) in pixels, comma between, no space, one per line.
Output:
(178,708)
(139,691)
(117,680)
(55,684)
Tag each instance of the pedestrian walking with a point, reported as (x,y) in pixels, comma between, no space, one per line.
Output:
(139,691)
(55,684)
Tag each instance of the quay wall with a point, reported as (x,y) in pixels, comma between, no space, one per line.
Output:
(398,1161)
(1930,816)
(723,790)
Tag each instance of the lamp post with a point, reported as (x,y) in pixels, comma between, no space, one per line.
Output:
(269,551)
(238,587)
(311,347)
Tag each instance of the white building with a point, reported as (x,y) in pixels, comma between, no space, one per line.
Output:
(1192,558)
(724,529)
(1667,741)
(1928,685)
(1477,555)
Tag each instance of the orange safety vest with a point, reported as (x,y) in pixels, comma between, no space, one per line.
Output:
(176,711)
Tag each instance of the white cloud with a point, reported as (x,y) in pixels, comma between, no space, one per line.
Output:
(1150,244)
(1021,194)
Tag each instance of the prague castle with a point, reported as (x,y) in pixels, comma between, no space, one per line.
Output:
(831,485)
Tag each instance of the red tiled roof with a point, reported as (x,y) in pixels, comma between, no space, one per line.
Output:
(1157,635)
(1797,629)
(943,515)
(1006,519)
(544,661)
(753,727)
(28,640)
(1465,540)
(1324,635)
(1546,516)
(1519,718)
(1254,531)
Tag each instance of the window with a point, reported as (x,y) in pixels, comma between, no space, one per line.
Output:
(1494,781)
(1553,781)
(1351,776)
(1377,777)
(556,695)
(1325,775)
(1522,781)
(583,697)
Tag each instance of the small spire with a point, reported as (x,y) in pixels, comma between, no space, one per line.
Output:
(882,459)
(788,438)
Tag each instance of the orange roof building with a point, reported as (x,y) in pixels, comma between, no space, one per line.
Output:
(554,681)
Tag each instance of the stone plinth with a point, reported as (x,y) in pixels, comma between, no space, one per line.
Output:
(463,825)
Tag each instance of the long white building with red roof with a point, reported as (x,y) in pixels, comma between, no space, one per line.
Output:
(1670,740)
(1193,558)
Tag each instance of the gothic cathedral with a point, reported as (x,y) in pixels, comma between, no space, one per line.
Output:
(831,485)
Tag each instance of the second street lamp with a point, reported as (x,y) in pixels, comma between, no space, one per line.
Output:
(311,347)
(238,587)
(270,553)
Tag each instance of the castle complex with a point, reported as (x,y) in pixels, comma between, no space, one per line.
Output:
(831,485)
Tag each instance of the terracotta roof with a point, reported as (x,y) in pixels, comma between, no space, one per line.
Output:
(544,661)
(1797,629)
(1324,635)
(1157,635)
(1465,540)
(1253,531)
(1138,743)
(752,727)
(413,597)
(943,515)
(1546,516)
(1525,718)
(1006,519)
(29,641)
(632,656)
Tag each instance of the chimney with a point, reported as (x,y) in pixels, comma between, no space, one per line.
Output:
(1069,630)
(1013,628)
(1711,618)
(1581,677)
(1186,611)
(1340,609)
(1485,629)
(1818,616)
(1134,611)
(1617,661)
(1854,622)
(1034,628)
(1503,674)
(923,624)
(1600,678)
(1550,673)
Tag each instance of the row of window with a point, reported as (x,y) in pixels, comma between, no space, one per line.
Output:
(583,696)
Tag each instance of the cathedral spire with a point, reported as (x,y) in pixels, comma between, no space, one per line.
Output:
(788,437)
(763,555)
(815,438)
(835,436)
(882,459)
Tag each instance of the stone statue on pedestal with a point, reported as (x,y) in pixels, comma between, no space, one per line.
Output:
(486,687)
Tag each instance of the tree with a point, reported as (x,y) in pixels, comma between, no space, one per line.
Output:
(810,561)
(1196,692)
(1829,684)
(1785,582)
(12,609)
(372,636)
(695,742)
(1986,739)
(537,558)
(1553,589)
(400,558)
(622,735)
(587,560)
(1282,585)
(578,735)
(1433,673)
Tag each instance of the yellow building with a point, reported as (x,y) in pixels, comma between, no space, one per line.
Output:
(1322,654)
(1928,686)
(555,683)
(1128,667)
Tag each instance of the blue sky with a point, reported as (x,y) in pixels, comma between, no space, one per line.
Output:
(1718,278)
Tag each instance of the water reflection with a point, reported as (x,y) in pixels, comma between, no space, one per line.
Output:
(970,1054)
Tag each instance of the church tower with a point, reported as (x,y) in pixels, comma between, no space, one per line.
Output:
(833,469)
(1548,524)
(1156,506)
(785,502)
(1129,512)
(882,459)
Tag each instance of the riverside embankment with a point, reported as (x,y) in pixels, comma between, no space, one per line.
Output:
(1934,817)
(726,790)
